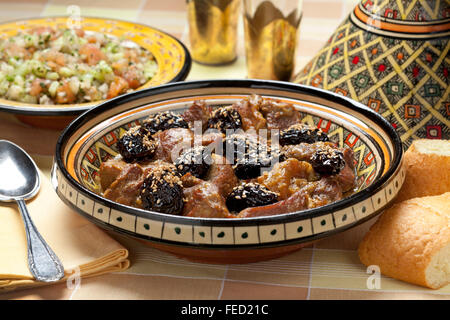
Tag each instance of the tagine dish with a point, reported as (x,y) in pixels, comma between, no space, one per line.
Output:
(235,170)
(228,170)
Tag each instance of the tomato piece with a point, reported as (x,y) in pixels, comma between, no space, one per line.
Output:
(43,30)
(14,50)
(117,87)
(131,76)
(131,55)
(119,67)
(54,59)
(92,54)
(64,94)
(36,87)
(79,32)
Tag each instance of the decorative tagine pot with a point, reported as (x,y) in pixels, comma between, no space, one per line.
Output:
(394,58)
(92,139)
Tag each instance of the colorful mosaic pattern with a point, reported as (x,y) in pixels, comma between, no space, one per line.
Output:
(404,80)
(415,10)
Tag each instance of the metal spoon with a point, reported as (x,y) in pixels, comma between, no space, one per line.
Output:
(19,181)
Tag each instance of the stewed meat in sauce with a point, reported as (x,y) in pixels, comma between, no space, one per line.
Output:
(232,170)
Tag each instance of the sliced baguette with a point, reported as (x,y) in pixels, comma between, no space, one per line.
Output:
(411,242)
(427,165)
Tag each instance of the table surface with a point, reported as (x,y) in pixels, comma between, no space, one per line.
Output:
(329,269)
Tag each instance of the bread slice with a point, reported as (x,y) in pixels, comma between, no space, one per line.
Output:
(427,165)
(411,241)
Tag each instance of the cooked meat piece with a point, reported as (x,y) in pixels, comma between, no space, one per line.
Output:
(204,200)
(122,180)
(287,177)
(304,151)
(251,117)
(324,191)
(312,195)
(212,139)
(126,188)
(296,202)
(279,115)
(198,111)
(347,176)
(222,175)
(190,180)
(172,142)
(110,170)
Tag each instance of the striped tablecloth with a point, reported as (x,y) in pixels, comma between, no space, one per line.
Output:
(330,269)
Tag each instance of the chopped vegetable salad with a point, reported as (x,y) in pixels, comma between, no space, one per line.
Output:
(51,66)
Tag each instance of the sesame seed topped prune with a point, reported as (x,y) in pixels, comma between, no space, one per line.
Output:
(162,191)
(237,144)
(137,144)
(300,133)
(252,163)
(249,195)
(224,118)
(196,160)
(163,121)
(328,161)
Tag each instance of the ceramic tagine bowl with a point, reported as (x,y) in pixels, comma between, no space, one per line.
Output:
(92,139)
(392,56)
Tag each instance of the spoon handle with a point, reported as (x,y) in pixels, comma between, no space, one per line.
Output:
(43,263)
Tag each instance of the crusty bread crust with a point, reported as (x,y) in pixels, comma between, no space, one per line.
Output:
(427,166)
(405,239)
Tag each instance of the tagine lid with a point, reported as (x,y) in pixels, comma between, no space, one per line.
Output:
(406,19)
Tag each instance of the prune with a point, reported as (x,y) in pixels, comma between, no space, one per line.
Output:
(251,164)
(137,144)
(328,161)
(299,133)
(195,160)
(163,121)
(162,191)
(224,118)
(249,195)
(237,144)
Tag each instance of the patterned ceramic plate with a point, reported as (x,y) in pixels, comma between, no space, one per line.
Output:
(172,57)
(91,139)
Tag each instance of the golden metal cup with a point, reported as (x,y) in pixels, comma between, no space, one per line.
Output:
(270,39)
(213,30)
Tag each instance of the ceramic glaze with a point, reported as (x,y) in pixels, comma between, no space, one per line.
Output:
(393,57)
